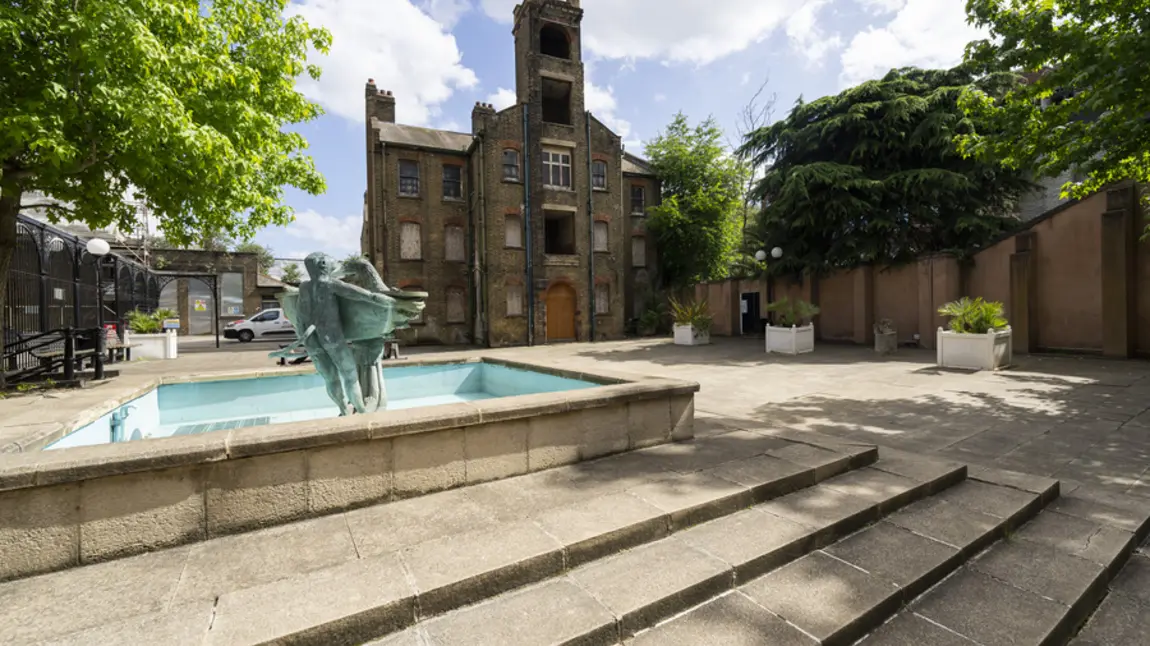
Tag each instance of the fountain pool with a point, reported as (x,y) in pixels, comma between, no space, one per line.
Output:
(206,406)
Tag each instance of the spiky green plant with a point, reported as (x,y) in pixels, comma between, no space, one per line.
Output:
(975,316)
(696,314)
(793,312)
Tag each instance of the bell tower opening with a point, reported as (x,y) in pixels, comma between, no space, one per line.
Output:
(556,101)
(553,41)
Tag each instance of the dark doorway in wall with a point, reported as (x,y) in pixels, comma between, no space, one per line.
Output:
(556,101)
(752,313)
(558,233)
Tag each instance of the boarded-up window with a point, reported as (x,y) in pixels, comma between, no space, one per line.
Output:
(456,306)
(602,298)
(410,242)
(513,231)
(600,235)
(514,300)
(638,251)
(454,249)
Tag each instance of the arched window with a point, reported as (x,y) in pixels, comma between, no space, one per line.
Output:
(553,41)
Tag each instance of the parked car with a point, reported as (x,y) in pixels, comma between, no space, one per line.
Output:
(268,323)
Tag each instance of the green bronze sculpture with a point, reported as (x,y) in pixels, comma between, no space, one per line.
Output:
(344,314)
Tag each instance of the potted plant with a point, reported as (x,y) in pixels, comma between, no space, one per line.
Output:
(692,323)
(885,337)
(979,337)
(148,334)
(795,332)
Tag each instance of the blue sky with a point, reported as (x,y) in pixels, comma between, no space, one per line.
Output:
(645,60)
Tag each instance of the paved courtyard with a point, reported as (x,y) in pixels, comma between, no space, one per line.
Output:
(1082,420)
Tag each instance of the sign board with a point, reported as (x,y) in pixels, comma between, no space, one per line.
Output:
(58,293)
(234,310)
(171,324)
(200,305)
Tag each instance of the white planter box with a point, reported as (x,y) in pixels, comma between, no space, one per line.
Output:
(791,340)
(989,351)
(688,335)
(155,346)
(886,343)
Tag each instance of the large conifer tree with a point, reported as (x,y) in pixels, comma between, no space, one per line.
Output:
(873,175)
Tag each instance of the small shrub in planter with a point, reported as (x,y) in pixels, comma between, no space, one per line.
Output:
(885,337)
(979,337)
(150,337)
(795,332)
(692,322)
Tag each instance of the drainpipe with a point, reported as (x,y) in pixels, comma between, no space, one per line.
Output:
(590,230)
(478,246)
(530,269)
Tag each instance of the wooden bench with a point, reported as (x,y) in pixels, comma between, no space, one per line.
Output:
(118,351)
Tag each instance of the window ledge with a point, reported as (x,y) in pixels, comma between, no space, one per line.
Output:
(454,200)
(560,260)
(598,189)
(519,248)
(407,196)
(511,180)
(561,189)
(411,260)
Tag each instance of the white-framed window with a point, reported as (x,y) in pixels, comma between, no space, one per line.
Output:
(638,200)
(513,231)
(557,167)
(599,175)
(410,241)
(454,249)
(602,298)
(599,235)
(456,305)
(511,165)
(408,177)
(638,251)
(514,300)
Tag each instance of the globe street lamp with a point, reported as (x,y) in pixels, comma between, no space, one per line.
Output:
(761,256)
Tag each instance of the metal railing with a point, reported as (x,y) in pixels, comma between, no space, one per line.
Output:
(62,351)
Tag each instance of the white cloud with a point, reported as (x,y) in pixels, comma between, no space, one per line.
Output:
(600,101)
(445,12)
(682,31)
(807,37)
(879,7)
(659,98)
(503,98)
(924,33)
(404,49)
(337,236)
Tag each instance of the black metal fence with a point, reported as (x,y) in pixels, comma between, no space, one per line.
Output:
(55,284)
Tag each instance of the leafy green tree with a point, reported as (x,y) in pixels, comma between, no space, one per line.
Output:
(1085,107)
(266,258)
(697,226)
(873,174)
(291,274)
(184,105)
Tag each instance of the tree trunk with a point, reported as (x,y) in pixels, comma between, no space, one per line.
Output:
(9,208)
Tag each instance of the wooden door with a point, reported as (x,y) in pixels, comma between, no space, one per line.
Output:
(561,313)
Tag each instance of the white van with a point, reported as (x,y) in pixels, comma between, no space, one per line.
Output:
(268,323)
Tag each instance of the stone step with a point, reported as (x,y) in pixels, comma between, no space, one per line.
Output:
(1037,585)
(613,598)
(366,572)
(836,594)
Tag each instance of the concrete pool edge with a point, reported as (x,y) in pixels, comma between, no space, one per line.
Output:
(88,504)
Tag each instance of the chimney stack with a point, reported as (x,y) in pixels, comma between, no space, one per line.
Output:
(380,103)
(479,115)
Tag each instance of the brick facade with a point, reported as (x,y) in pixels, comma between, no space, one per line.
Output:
(512,260)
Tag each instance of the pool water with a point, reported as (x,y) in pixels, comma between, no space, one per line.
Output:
(206,406)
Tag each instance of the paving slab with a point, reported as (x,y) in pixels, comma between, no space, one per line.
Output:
(555,612)
(824,597)
(955,525)
(730,620)
(1002,502)
(1134,580)
(346,604)
(694,498)
(888,490)
(751,541)
(1083,538)
(603,526)
(414,636)
(822,507)
(1119,620)
(698,455)
(766,476)
(1042,570)
(990,612)
(923,468)
(240,561)
(457,570)
(52,605)
(1134,518)
(385,528)
(897,555)
(909,629)
(825,462)
(654,581)
(180,626)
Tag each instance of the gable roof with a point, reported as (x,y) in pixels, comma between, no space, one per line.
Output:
(263,280)
(633,165)
(427,138)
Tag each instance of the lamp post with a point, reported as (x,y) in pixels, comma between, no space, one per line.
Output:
(99,248)
(761,256)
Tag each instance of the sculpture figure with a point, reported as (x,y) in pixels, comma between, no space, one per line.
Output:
(345,313)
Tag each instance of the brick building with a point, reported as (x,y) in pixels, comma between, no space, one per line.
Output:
(537,215)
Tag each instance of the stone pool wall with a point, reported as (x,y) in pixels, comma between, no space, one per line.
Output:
(70,507)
